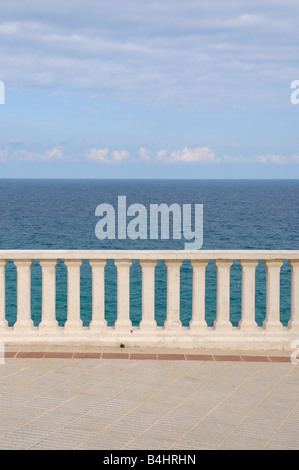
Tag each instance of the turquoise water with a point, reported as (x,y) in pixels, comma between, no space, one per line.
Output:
(60,214)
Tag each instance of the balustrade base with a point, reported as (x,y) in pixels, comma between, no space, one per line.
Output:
(98,326)
(251,326)
(73,327)
(294,326)
(147,326)
(198,326)
(160,337)
(222,326)
(27,326)
(49,326)
(272,326)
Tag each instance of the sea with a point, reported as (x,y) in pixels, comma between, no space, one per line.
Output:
(60,214)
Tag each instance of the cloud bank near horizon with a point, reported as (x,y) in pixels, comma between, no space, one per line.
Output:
(196,155)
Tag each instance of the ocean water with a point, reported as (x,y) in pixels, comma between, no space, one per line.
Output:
(60,214)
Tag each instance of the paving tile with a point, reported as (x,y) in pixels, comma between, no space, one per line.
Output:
(199,357)
(111,355)
(9,354)
(87,355)
(171,357)
(56,354)
(255,358)
(279,359)
(31,354)
(143,356)
(218,357)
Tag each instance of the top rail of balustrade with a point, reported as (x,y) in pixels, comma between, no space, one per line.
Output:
(150,254)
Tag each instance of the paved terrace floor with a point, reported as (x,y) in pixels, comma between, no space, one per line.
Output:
(86,399)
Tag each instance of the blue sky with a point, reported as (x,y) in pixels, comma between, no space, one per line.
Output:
(149,89)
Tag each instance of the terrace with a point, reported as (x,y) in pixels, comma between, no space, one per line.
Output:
(171,387)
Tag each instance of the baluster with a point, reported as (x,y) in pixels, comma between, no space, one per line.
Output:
(223,295)
(173,294)
(248,295)
(98,321)
(294,322)
(148,321)
(198,295)
(272,321)
(24,321)
(3,322)
(49,321)
(74,322)
(123,321)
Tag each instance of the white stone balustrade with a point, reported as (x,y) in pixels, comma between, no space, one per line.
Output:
(98,295)
(248,294)
(48,295)
(148,321)
(173,321)
(123,321)
(198,295)
(294,322)
(3,322)
(223,294)
(24,321)
(246,335)
(74,322)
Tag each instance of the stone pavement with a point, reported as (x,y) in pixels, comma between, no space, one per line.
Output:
(77,400)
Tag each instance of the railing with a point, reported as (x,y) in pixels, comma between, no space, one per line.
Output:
(221,335)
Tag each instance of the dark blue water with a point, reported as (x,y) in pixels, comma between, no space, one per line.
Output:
(60,214)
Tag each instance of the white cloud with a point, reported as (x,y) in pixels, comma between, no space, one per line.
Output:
(277,159)
(3,155)
(97,154)
(272,159)
(144,153)
(206,155)
(8,28)
(162,154)
(119,155)
(104,156)
(16,141)
(187,155)
(53,154)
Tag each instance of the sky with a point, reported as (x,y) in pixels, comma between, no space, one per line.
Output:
(149,89)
